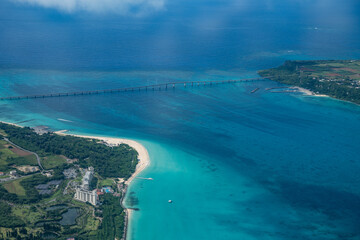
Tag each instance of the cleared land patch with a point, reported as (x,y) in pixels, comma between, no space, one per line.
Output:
(10,155)
(19,152)
(52,161)
(15,187)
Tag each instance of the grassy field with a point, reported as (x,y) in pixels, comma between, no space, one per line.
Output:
(15,187)
(2,132)
(3,163)
(27,214)
(9,157)
(335,70)
(2,142)
(106,182)
(6,153)
(92,223)
(52,161)
(27,160)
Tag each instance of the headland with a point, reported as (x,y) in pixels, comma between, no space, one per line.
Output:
(339,79)
(83,178)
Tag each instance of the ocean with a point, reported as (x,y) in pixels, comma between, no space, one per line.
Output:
(236,164)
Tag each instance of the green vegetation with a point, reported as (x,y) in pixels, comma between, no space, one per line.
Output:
(11,156)
(7,219)
(14,191)
(93,183)
(87,225)
(113,218)
(106,182)
(27,214)
(2,132)
(336,78)
(117,161)
(2,142)
(52,161)
(5,155)
(26,160)
(15,187)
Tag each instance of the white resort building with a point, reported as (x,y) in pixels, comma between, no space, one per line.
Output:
(87,179)
(86,196)
(82,193)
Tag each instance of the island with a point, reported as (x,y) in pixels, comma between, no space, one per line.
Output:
(339,79)
(61,186)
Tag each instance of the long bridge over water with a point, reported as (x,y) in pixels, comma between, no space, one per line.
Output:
(154,87)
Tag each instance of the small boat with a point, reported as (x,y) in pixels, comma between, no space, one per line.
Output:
(253,91)
(170,201)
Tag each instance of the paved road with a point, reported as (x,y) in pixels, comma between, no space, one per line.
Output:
(12,179)
(37,156)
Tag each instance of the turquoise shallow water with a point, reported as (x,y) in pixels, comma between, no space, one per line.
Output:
(236,165)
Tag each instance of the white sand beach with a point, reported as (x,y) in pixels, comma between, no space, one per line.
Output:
(309,93)
(11,124)
(143,157)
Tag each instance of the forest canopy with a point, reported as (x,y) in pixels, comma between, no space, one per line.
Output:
(119,161)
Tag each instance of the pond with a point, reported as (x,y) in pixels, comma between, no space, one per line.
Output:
(69,217)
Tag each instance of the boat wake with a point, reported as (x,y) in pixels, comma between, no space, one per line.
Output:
(64,120)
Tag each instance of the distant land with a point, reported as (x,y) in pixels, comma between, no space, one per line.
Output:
(336,78)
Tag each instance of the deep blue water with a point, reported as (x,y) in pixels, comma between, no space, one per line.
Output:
(189,35)
(237,165)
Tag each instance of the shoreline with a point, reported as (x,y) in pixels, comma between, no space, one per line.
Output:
(309,92)
(143,157)
(11,124)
